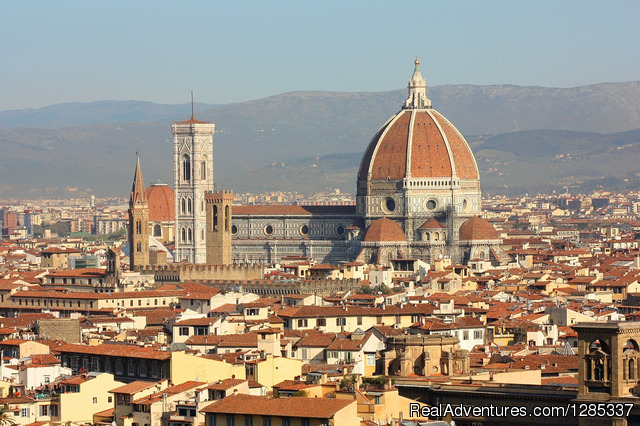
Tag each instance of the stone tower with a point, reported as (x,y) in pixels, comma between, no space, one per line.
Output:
(220,228)
(192,176)
(138,222)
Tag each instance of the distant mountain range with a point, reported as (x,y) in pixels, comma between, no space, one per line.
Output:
(525,139)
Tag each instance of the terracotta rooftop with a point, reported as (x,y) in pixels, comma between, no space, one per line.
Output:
(160,198)
(477,228)
(432,223)
(384,230)
(316,408)
(133,387)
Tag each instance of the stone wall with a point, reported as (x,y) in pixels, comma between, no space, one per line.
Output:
(194,272)
(65,329)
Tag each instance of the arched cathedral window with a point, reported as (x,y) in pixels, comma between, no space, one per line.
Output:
(138,227)
(186,168)
(215,218)
(226,218)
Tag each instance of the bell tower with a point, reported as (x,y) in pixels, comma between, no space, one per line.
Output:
(192,177)
(608,368)
(220,228)
(138,222)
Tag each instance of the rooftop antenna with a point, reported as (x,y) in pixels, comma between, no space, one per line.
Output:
(192,104)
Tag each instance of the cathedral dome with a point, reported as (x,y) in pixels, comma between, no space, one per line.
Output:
(418,142)
(477,228)
(384,230)
(161,202)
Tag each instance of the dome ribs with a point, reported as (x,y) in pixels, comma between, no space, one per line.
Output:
(462,157)
(390,160)
(429,155)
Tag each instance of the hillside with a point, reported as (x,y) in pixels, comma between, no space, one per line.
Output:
(296,128)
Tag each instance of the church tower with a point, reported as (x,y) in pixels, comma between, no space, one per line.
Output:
(192,176)
(138,222)
(219,230)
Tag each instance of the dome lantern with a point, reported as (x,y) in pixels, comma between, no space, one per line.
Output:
(417,90)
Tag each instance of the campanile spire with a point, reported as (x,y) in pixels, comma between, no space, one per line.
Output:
(138,195)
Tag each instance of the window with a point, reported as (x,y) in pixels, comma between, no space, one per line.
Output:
(465,335)
(211,419)
(248,421)
(302,323)
(109,399)
(371,359)
(44,410)
(227,216)
(203,169)
(378,400)
(321,322)
(304,422)
(266,421)
(286,421)
(186,168)
(24,412)
(304,353)
(230,420)
(477,334)
(95,400)
(157,231)
(359,320)
(341,321)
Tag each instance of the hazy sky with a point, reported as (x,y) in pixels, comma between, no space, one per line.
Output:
(232,51)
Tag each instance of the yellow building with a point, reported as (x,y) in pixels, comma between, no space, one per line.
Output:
(125,395)
(84,395)
(185,367)
(273,369)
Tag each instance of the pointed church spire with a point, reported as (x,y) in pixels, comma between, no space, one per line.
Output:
(417,90)
(138,195)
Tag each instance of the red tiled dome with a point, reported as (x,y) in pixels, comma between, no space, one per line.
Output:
(384,230)
(161,202)
(432,223)
(422,142)
(477,228)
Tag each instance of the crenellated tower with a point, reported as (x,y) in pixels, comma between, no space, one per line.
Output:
(193,176)
(138,222)
(219,228)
